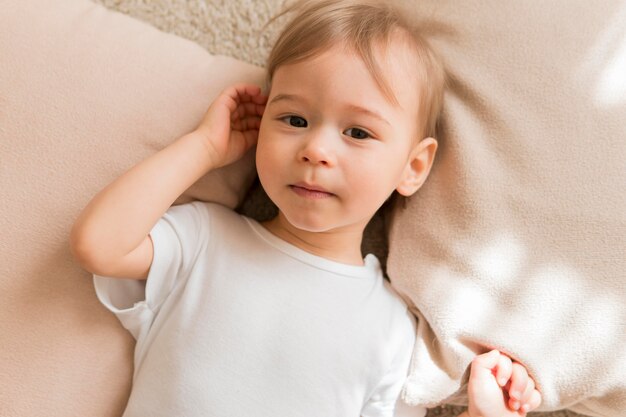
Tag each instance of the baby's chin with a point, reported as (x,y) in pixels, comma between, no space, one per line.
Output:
(306,223)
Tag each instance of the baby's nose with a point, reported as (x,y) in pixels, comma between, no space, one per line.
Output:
(318,149)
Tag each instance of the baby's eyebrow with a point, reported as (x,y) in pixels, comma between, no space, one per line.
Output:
(366,112)
(288,97)
(349,107)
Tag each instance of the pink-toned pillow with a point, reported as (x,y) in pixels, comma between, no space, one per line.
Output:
(518,239)
(84,94)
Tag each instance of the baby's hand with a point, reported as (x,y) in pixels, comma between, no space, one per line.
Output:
(231,124)
(499,387)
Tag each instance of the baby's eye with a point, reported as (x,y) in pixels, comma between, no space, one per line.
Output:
(357,133)
(295,121)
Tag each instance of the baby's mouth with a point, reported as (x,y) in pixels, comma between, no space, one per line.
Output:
(310,191)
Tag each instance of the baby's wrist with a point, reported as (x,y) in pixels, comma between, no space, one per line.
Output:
(204,153)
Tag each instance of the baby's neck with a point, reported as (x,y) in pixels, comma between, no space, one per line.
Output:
(340,245)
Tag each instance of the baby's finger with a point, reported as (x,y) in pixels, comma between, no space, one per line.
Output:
(526,395)
(259,98)
(483,365)
(245,89)
(505,368)
(239,93)
(254,109)
(519,380)
(530,387)
(247,109)
(234,95)
(535,400)
(246,123)
(249,93)
(237,113)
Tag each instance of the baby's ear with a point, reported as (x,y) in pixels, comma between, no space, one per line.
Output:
(417,167)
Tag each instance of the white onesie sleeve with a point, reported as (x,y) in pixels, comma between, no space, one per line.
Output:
(383,401)
(177,238)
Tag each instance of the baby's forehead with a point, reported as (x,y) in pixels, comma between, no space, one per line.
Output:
(391,67)
(398,74)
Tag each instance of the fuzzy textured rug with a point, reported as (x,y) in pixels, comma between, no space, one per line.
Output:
(236,28)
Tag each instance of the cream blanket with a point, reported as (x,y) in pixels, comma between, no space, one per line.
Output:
(518,240)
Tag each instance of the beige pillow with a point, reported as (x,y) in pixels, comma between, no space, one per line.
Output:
(518,240)
(84,94)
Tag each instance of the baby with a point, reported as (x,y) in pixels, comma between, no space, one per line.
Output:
(284,318)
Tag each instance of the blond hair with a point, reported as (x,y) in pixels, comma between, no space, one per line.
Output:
(361,24)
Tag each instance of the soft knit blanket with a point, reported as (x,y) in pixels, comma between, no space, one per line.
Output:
(518,239)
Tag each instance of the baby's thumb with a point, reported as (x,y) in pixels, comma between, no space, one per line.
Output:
(484,364)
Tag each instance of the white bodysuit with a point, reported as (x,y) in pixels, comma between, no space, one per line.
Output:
(234,321)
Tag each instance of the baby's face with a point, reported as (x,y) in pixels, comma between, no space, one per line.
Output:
(332,147)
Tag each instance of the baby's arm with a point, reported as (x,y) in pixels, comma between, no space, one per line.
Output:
(111,235)
(499,387)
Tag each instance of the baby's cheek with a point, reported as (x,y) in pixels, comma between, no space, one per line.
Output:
(373,189)
(263,163)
